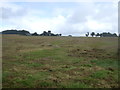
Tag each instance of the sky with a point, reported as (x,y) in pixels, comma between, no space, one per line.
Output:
(67,18)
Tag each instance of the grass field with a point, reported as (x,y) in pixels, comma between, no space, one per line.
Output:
(59,62)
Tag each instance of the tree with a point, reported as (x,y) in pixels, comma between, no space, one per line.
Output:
(60,34)
(114,35)
(100,34)
(35,34)
(87,34)
(20,32)
(97,34)
(92,34)
(45,33)
(70,35)
(57,34)
(49,33)
(105,34)
(24,32)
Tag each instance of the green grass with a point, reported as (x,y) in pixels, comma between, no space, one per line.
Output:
(44,84)
(34,65)
(100,74)
(59,62)
(76,85)
(40,54)
(106,63)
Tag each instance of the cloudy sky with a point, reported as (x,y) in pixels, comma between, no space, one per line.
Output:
(76,18)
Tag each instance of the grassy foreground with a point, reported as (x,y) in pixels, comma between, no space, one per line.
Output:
(59,62)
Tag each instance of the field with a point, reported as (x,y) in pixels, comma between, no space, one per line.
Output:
(59,62)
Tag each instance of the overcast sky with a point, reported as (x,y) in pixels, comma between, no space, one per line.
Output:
(60,17)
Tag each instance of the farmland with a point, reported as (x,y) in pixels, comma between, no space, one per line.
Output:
(59,62)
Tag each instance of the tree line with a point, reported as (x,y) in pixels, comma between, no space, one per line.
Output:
(49,33)
(46,34)
(27,33)
(20,32)
(104,34)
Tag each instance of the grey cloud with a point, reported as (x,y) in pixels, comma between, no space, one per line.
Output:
(69,29)
(77,16)
(106,14)
(81,13)
(8,12)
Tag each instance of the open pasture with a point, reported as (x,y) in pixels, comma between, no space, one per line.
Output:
(59,62)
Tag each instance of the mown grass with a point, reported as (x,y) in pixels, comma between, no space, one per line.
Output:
(59,62)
